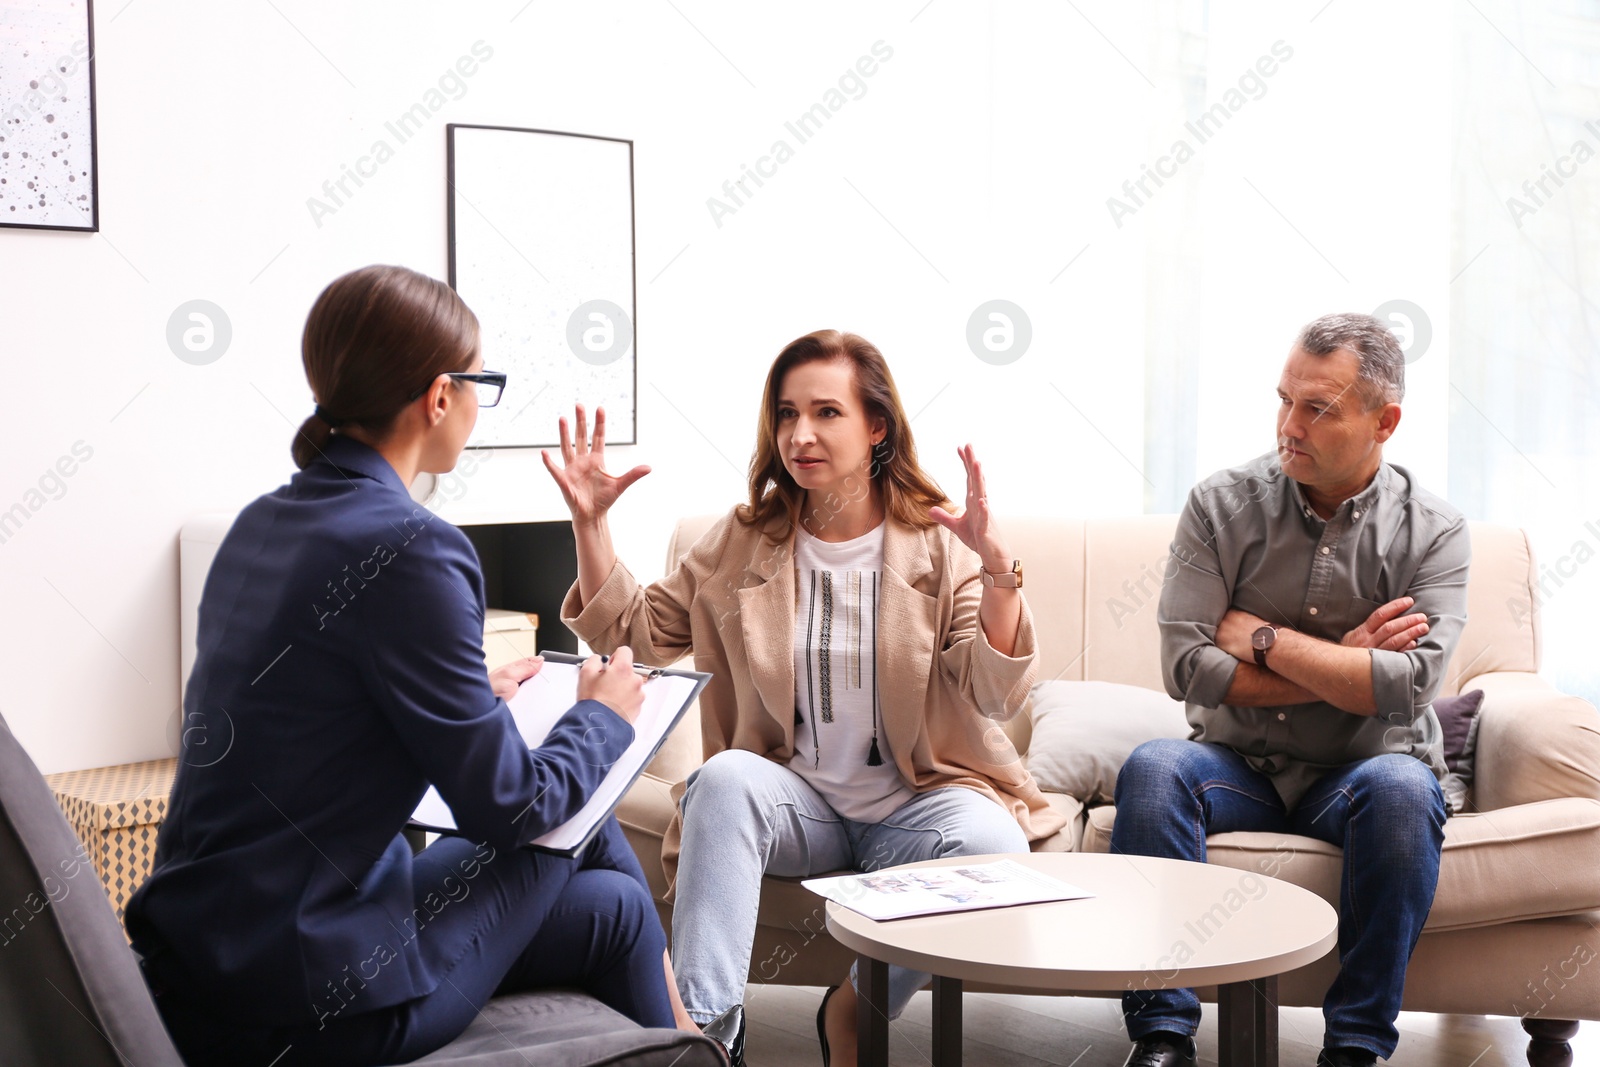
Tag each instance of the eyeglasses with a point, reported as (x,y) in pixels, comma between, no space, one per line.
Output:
(491,384)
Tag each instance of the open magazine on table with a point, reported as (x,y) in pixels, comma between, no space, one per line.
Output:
(905,893)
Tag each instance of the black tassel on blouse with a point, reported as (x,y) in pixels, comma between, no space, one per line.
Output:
(874,758)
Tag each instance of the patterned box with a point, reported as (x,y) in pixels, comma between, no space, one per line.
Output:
(116,812)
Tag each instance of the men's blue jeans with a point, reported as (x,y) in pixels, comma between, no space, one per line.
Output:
(1387,813)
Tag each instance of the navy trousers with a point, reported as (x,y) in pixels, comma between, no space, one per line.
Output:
(531,921)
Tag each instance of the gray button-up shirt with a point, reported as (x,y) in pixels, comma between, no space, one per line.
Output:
(1248,539)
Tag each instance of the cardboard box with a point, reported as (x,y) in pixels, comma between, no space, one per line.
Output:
(509,635)
(117,812)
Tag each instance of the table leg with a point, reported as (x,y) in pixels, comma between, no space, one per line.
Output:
(872,1012)
(1247,1023)
(946,1022)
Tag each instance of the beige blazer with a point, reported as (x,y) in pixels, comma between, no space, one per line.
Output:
(943,689)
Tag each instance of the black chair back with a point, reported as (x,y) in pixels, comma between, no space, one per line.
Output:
(70,987)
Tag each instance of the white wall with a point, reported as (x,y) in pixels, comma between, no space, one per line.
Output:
(976,166)
(1327,194)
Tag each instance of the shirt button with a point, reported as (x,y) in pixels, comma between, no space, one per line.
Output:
(1355,514)
(1313,611)
(1282,716)
(1325,550)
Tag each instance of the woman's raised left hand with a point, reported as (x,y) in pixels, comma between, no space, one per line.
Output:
(974,524)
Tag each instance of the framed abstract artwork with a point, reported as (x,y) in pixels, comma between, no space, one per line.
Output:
(542,249)
(48,173)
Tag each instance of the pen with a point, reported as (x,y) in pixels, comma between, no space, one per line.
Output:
(638,668)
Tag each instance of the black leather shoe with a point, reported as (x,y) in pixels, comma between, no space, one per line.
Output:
(1346,1057)
(727,1030)
(822,1029)
(1162,1049)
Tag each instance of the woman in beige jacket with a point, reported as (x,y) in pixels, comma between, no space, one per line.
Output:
(863,641)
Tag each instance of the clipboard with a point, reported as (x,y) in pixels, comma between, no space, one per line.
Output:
(540,702)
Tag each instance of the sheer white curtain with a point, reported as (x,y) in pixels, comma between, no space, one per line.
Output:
(1525,403)
(1318,182)
(1442,155)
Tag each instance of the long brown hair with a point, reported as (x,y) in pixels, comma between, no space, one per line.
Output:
(906,490)
(375,339)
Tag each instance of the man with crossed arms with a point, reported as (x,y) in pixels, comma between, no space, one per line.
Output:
(1319,594)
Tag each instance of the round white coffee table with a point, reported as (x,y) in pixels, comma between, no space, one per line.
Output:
(1151,924)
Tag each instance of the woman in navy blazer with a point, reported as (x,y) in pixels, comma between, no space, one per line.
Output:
(339,671)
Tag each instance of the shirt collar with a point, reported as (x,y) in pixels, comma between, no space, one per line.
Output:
(352,457)
(1356,506)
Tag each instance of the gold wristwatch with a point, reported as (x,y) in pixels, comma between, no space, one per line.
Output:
(1011,579)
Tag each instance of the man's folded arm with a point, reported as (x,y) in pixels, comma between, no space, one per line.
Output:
(1193,598)
(1330,672)
(1405,683)
(1397,686)
(1257,687)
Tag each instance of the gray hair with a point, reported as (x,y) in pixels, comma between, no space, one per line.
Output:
(1382,377)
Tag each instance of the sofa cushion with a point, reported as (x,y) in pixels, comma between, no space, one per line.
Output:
(1084,731)
(1052,551)
(1534,743)
(1504,629)
(1070,836)
(1526,862)
(1458,721)
(1457,715)
(1125,561)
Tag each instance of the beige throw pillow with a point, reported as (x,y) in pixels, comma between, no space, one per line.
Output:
(1083,731)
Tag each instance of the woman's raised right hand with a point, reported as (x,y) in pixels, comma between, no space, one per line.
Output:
(589,490)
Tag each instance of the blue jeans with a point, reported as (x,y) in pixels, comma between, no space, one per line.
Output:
(745,816)
(530,921)
(1387,813)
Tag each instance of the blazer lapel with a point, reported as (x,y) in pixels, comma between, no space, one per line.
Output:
(766,618)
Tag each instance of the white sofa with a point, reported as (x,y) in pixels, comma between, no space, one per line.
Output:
(1515,927)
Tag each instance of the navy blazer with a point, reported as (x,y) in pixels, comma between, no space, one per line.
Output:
(339,671)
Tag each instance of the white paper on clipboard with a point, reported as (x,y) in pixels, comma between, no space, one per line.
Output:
(539,704)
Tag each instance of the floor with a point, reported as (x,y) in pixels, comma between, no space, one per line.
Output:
(1016,1031)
